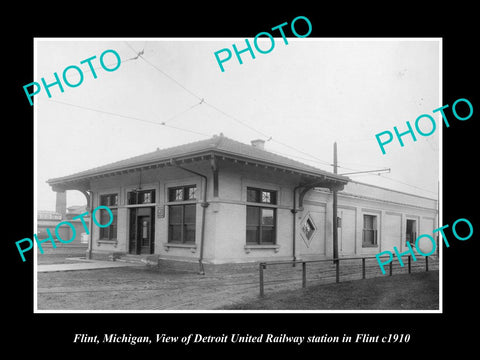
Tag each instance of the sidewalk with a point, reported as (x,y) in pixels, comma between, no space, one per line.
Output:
(83,265)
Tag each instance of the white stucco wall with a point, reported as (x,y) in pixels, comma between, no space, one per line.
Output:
(225,221)
(159,180)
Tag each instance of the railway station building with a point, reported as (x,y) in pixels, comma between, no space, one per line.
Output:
(220,201)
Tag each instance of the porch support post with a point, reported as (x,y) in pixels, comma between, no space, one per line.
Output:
(89,196)
(61,203)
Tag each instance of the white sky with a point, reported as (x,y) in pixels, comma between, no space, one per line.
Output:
(306,94)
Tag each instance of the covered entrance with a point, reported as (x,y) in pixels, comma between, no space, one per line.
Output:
(142,231)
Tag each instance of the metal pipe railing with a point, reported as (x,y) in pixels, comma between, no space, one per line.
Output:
(263,266)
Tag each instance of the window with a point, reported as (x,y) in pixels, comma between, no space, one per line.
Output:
(260,225)
(261,196)
(182,218)
(145,233)
(141,197)
(308,228)
(192,192)
(411,231)
(184,193)
(261,220)
(369,230)
(109,232)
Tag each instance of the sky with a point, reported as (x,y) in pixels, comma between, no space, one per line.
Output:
(300,98)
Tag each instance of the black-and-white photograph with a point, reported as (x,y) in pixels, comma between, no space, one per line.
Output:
(274,174)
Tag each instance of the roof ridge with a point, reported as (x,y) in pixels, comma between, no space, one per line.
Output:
(181,145)
(280,157)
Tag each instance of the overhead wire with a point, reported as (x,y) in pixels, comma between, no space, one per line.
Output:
(170,119)
(237,120)
(298,157)
(129,117)
(269,138)
(216,108)
(406,184)
(303,152)
(100,67)
(140,54)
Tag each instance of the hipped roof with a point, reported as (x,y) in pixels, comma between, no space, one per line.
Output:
(217,146)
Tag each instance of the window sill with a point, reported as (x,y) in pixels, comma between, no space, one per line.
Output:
(192,247)
(249,248)
(182,202)
(107,242)
(369,245)
(259,204)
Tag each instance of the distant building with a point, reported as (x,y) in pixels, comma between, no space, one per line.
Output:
(47,219)
(221,201)
(50,219)
(76,210)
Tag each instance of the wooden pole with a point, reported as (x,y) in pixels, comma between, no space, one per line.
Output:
(304,274)
(337,271)
(363,268)
(335,228)
(261,267)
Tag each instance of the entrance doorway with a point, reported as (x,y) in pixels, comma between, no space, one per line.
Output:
(411,231)
(142,231)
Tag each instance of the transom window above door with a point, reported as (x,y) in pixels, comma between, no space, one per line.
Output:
(141,197)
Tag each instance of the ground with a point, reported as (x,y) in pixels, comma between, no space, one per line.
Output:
(399,292)
(151,288)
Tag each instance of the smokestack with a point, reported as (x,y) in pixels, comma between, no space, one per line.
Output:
(258,143)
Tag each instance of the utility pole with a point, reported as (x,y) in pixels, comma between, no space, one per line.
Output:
(335,228)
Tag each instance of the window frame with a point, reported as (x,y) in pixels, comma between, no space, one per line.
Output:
(374,229)
(312,228)
(259,192)
(414,233)
(261,227)
(182,203)
(152,193)
(109,233)
(185,190)
(261,206)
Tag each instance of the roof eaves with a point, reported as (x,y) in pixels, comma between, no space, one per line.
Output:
(160,162)
(294,169)
(213,148)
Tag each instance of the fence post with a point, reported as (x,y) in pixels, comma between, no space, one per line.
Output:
(363,268)
(262,266)
(337,271)
(426,263)
(304,274)
(409,264)
(390,268)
